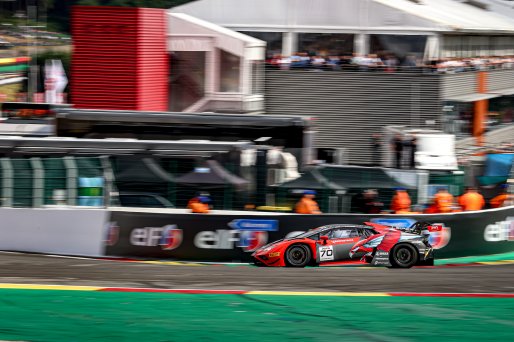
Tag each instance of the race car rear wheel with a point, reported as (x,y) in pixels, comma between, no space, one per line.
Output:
(298,256)
(404,256)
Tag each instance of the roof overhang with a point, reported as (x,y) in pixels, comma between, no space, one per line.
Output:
(472,97)
(183,118)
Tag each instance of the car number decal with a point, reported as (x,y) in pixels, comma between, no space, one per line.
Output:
(326,253)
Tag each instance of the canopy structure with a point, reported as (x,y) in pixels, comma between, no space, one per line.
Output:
(141,170)
(364,177)
(140,174)
(212,173)
(347,177)
(498,167)
(312,179)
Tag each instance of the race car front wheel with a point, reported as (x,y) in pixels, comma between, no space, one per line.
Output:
(298,256)
(403,256)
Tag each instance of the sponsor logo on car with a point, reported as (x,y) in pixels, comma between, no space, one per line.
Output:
(167,237)
(500,231)
(349,240)
(274,255)
(440,238)
(394,222)
(381,254)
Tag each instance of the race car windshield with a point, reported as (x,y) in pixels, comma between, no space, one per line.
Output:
(308,233)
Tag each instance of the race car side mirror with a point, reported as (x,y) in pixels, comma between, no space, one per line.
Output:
(323,239)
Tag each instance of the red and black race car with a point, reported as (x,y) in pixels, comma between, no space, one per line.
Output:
(370,243)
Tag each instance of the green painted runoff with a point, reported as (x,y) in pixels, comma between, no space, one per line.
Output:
(39,315)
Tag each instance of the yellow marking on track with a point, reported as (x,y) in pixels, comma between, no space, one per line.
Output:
(49,287)
(499,262)
(326,294)
(7,60)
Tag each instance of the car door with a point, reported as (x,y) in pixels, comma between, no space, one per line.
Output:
(337,247)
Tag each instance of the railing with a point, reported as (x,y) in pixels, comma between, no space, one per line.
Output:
(158,182)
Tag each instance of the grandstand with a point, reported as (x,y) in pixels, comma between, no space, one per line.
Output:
(451,85)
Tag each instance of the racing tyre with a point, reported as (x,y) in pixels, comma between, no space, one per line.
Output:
(404,256)
(298,256)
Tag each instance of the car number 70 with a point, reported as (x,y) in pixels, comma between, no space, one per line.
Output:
(326,253)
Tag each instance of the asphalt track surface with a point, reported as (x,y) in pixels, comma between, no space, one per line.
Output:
(42,269)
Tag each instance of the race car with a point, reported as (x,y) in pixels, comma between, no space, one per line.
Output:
(370,243)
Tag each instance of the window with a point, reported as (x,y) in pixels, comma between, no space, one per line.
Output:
(229,72)
(257,72)
(399,45)
(366,232)
(273,41)
(187,79)
(343,233)
(325,44)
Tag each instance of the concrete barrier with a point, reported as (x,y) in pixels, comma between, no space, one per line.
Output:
(68,231)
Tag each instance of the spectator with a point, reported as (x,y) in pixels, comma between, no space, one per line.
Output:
(197,197)
(374,61)
(471,200)
(376,144)
(199,205)
(410,61)
(284,63)
(367,202)
(509,200)
(397,144)
(307,204)
(413,145)
(318,62)
(357,59)
(401,202)
(334,62)
(443,201)
(497,202)
(391,63)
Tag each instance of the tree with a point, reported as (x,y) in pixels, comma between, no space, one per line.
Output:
(58,11)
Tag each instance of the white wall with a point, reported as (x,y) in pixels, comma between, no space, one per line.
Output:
(68,231)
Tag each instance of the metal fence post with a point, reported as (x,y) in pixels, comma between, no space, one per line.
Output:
(7,182)
(71,179)
(109,187)
(38,182)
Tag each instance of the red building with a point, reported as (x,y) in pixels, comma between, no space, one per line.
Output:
(120,59)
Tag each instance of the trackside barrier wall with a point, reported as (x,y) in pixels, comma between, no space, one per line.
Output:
(223,237)
(68,231)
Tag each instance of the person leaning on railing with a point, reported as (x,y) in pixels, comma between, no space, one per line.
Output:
(498,201)
(443,202)
(307,204)
(199,205)
(401,202)
(471,200)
